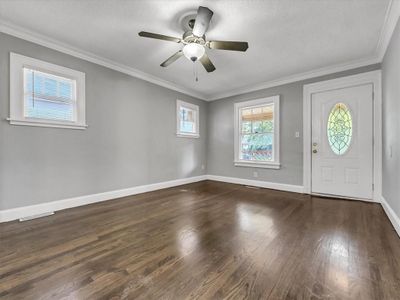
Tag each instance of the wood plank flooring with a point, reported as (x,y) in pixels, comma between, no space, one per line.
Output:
(206,240)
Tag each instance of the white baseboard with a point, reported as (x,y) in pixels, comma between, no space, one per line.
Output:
(47,207)
(43,208)
(26,211)
(391,215)
(259,183)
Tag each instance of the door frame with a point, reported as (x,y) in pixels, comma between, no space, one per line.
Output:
(374,78)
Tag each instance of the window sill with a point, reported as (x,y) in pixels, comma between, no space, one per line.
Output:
(265,165)
(193,136)
(46,124)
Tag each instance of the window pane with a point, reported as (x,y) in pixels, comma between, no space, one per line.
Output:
(257,127)
(48,110)
(259,113)
(187,126)
(47,96)
(246,127)
(257,133)
(187,120)
(257,147)
(268,126)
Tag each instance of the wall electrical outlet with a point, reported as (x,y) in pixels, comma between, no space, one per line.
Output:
(297,134)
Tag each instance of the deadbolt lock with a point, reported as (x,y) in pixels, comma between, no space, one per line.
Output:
(314,148)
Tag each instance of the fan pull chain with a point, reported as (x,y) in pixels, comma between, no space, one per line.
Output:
(33,89)
(195,74)
(197,77)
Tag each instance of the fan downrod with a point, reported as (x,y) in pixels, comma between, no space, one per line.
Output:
(191,23)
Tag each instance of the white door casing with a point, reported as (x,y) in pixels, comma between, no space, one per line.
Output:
(349,172)
(311,91)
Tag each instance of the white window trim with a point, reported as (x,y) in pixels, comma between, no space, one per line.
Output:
(194,107)
(275,164)
(17,64)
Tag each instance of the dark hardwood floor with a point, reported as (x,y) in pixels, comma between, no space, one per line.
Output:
(206,240)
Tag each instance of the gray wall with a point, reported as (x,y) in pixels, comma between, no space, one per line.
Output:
(220,150)
(131,136)
(130,140)
(391,123)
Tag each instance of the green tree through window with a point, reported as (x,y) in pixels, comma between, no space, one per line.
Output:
(257,136)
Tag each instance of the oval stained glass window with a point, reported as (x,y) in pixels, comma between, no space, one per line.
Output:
(340,128)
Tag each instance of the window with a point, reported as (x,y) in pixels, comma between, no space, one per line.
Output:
(340,129)
(187,122)
(257,133)
(44,94)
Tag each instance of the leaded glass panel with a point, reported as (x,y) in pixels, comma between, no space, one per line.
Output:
(340,128)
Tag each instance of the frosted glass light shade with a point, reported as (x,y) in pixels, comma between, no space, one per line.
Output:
(193,51)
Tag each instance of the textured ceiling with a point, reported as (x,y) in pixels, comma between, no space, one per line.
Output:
(285,37)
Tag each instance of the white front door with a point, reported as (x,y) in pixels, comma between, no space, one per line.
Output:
(342,142)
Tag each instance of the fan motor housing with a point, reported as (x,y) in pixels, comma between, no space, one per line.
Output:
(188,38)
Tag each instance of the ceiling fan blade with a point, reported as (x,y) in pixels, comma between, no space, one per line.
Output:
(159,36)
(171,59)
(207,64)
(203,19)
(227,45)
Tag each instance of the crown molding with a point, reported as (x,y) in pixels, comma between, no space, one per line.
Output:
(45,41)
(296,78)
(389,25)
(391,18)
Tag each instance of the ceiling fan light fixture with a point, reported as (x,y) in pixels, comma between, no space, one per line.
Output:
(193,51)
(194,40)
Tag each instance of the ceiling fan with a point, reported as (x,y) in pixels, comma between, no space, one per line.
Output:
(195,42)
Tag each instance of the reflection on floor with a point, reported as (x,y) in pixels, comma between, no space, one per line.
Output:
(206,240)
